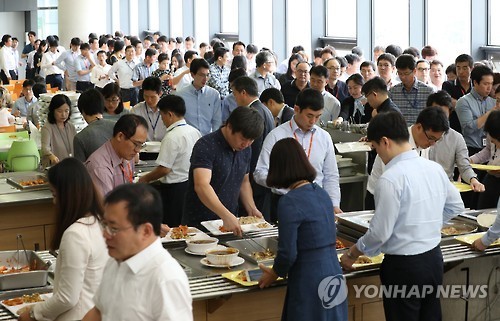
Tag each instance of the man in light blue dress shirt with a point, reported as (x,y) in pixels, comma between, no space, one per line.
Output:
(203,103)
(413,198)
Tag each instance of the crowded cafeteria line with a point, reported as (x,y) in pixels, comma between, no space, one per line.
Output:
(139,141)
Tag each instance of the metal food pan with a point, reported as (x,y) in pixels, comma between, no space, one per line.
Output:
(36,277)
(17,182)
(247,247)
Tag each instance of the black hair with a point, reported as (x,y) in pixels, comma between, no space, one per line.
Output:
(290,60)
(352,58)
(76,41)
(220,52)
(394,49)
(433,118)
(247,84)
(39,89)
(238,43)
(150,52)
(236,73)
(405,61)
(492,124)
(177,55)
(163,56)
(84,46)
(465,58)
(451,68)
(56,102)
(387,57)
(342,61)
(320,71)
(152,83)
(144,204)
(28,83)
(189,55)
(127,124)
(310,98)
(356,78)
(110,90)
(391,125)
(376,84)
(441,98)
(239,62)
(272,93)
(91,102)
(478,72)
(174,104)
(367,63)
(251,48)
(298,48)
(246,121)
(317,52)
(197,64)
(413,52)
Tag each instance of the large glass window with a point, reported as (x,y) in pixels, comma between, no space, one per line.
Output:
(494,22)
(153,15)
(298,22)
(176,29)
(115,15)
(201,23)
(262,23)
(134,17)
(48,20)
(449,39)
(391,22)
(229,16)
(341,19)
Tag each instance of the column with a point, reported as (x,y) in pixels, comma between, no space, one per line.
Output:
(79,18)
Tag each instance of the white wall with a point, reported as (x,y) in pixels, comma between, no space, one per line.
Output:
(12,23)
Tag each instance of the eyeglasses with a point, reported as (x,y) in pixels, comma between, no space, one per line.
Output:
(300,71)
(112,231)
(137,145)
(423,69)
(333,68)
(432,139)
(368,94)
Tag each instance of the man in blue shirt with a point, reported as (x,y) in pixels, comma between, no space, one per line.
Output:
(412,200)
(474,108)
(203,103)
(219,172)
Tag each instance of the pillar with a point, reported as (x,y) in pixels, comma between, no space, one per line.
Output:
(79,18)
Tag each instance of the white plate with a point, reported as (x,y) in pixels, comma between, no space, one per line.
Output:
(15,308)
(213,227)
(254,227)
(151,147)
(486,219)
(218,247)
(193,233)
(237,261)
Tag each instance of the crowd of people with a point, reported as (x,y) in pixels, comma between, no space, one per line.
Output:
(244,134)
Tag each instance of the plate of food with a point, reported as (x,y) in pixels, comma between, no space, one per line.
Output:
(470,238)
(364,262)
(245,277)
(248,224)
(482,167)
(182,233)
(17,305)
(457,228)
(486,220)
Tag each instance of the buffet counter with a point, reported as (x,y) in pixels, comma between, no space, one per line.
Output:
(29,213)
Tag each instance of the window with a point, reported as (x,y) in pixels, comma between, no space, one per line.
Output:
(449,39)
(134,17)
(229,16)
(341,19)
(298,21)
(115,15)
(153,15)
(262,16)
(176,29)
(494,22)
(47,17)
(201,26)
(391,23)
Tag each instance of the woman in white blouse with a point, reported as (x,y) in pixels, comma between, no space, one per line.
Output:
(78,236)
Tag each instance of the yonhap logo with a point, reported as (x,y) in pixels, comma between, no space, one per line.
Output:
(332,291)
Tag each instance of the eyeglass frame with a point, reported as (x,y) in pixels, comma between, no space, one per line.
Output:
(112,231)
(137,145)
(430,139)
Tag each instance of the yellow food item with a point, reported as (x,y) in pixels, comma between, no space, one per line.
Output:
(363,260)
(249,220)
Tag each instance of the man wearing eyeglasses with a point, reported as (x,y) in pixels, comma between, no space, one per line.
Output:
(112,164)
(141,281)
(429,128)
(291,89)
(411,94)
(265,66)
(423,73)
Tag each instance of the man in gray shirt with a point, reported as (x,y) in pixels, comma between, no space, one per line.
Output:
(98,131)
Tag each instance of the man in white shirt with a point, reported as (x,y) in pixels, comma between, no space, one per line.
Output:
(182,76)
(141,281)
(413,198)
(99,74)
(122,72)
(7,61)
(174,158)
(319,79)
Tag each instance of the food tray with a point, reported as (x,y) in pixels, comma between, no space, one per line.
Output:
(151,147)
(233,276)
(470,238)
(482,167)
(37,277)
(359,221)
(376,261)
(461,228)
(15,308)
(462,187)
(193,233)
(214,225)
(247,247)
(16,182)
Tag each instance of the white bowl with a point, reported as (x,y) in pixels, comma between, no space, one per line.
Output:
(201,245)
(222,257)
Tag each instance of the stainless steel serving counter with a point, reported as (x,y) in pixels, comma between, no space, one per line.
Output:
(10,195)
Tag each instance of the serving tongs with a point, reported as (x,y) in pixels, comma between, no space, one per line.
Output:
(253,243)
(19,238)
